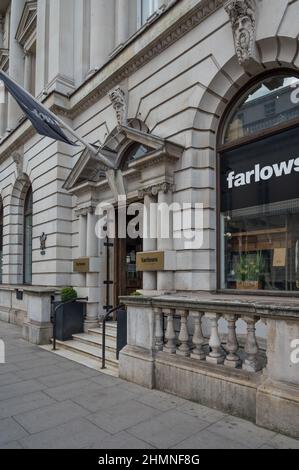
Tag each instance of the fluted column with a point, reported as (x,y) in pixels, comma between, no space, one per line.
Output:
(3,114)
(149,238)
(16,61)
(165,279)
(92,278)
(82,235)
(102,25)
(122,21)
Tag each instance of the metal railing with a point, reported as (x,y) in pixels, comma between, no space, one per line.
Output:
(53,316)
(105,318)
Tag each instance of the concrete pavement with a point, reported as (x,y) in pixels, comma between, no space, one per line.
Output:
(49,402)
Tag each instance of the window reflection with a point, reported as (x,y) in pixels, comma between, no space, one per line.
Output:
(273,101)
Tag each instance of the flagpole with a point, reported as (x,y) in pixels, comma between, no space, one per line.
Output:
(93,150)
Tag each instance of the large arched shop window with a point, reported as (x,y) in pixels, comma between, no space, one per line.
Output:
(27,238)
(259,179)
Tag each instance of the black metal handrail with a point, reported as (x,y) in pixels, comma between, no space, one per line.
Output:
(105,318)
(53,317)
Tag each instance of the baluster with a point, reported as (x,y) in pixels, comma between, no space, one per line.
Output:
(184,349)
(216,355)
(232,359)
(158,329)
(198,338)
(251,347)
(170,346)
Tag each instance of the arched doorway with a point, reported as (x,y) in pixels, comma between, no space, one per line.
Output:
(258,204)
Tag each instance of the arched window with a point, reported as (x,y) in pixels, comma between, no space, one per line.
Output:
(134,152)
(271,102)
(27,238)
(259,180)
(1,241)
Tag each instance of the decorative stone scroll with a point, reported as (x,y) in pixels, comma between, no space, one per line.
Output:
(242,14)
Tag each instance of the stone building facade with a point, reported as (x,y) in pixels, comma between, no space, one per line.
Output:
(166,88)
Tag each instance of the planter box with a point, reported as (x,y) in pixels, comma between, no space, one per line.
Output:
(249,285)
(69,320)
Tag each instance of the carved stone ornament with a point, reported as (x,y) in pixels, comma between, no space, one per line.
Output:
(242,14)
(155,189)
(18,160)
(119,102)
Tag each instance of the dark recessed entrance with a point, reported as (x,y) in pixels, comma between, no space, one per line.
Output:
(127,279)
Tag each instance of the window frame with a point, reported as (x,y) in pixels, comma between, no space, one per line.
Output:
(26,214)
(140,21)
(221,148)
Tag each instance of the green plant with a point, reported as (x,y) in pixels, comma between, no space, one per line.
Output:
(68,294)
(250,268)
(136,294)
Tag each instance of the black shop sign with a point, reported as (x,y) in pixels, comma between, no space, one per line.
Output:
(261,172)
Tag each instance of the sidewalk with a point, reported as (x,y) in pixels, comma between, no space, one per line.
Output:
(50,402)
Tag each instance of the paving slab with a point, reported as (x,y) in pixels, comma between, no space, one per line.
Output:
(122,416)
(47,401)
(49,416)
(10,430)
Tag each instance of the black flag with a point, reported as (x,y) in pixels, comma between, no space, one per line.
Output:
(44,123)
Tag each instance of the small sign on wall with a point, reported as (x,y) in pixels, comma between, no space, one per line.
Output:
(150,261)
(279,258)
(81,265)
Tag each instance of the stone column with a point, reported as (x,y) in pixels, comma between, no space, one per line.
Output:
(42,42)
(122,21)
(1,30)
(81,278)
(3,114)
(101,32)
(16,62)
(165,279)
(92,278)
(27,70)
(149,238)
(60,55)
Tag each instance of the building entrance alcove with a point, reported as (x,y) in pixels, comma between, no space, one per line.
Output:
(127,279)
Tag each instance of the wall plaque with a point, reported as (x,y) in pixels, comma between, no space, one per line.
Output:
(81,265)
(150,261)
(279,258)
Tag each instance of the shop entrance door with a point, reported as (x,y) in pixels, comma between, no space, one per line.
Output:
(127,279)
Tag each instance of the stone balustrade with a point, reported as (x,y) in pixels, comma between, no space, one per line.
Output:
(230,352)
(189,340)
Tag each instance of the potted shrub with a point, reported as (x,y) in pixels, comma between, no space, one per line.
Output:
(249,272)
(70,316)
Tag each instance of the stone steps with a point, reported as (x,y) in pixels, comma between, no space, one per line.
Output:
(86,348)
